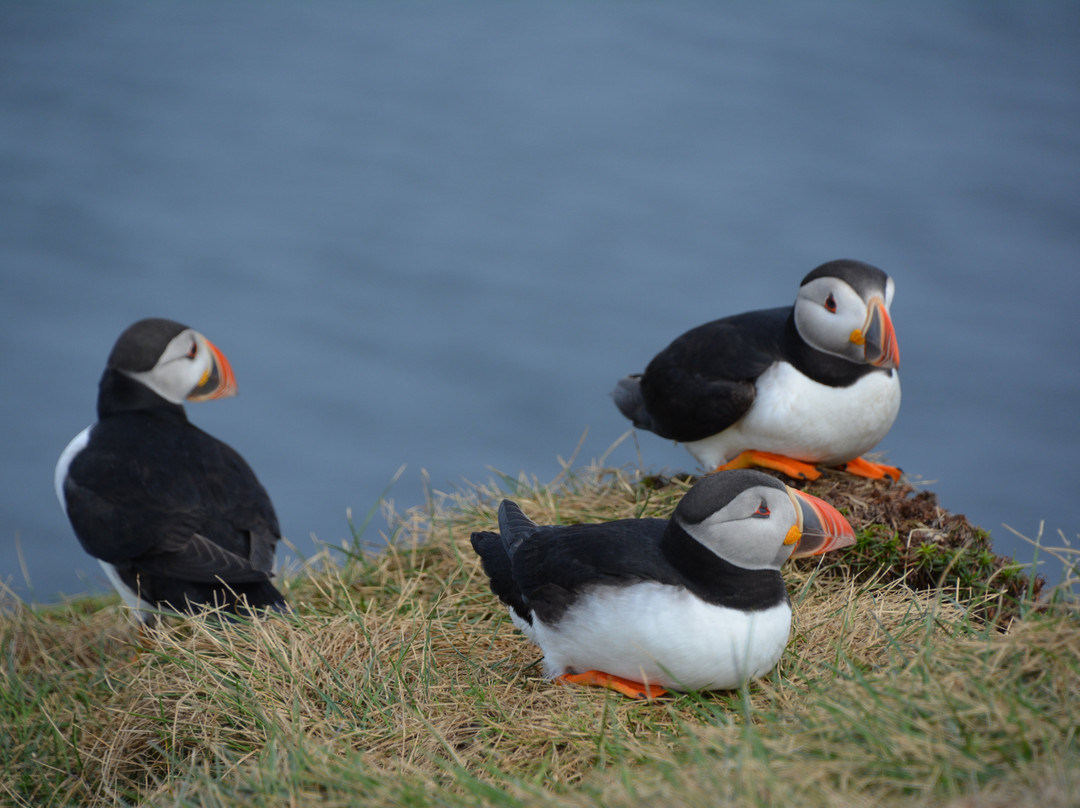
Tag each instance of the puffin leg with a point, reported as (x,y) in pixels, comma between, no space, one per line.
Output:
(628,687)
(875,471)
(796,469)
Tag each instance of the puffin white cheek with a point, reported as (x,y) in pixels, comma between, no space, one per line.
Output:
(179,377)
(175,378)
(830,333)
(748,543)
(783,553)
(768,550)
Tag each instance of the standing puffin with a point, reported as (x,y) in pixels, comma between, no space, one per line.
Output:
(694,602)
(177,519)
(787,388)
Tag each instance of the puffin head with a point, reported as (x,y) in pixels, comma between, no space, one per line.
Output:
(754,521)
(843,309)
(174,361)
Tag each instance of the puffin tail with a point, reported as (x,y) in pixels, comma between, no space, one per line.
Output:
(514,526)
(628,399)
(496,552)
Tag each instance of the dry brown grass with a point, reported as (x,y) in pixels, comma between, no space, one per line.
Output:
(400,680)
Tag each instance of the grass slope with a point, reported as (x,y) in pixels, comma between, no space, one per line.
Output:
(918,673)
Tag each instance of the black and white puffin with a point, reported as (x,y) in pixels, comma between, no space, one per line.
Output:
(788,388)
(177,519)
(694,602)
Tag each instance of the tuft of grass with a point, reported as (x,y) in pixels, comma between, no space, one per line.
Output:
(913,677)
(906,533)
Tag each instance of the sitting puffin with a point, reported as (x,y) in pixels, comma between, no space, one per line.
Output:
(694,602)
(177,518)
(787,388)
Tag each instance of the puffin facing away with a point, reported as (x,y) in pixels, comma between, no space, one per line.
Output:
(788,388)
(177,519)
(694,602)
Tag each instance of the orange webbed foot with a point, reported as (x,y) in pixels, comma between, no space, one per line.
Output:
(874,471)
(628,687)
(796,469)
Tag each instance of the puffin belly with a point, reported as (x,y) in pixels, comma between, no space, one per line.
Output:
(664,635)
(795,416)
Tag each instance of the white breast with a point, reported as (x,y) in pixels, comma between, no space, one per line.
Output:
(76,445)
(797,417)
(664,635)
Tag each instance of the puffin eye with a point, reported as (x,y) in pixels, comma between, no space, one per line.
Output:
(762,511)
(192,351)
(830,303)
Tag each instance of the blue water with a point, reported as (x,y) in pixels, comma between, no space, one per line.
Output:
(437,234)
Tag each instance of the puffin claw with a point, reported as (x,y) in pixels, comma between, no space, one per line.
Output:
(796,469)
(627,687)
(874,471)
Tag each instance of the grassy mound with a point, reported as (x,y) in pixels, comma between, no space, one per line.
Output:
(920,672)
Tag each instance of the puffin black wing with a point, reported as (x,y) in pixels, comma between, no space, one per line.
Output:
(545,569)
(703,382)
(159,498)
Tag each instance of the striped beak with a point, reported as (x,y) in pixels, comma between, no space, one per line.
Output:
(878,336)
(218,381)
(820,527)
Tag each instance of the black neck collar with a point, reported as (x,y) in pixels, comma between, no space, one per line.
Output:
(821,367)
(119,393)
(717,581)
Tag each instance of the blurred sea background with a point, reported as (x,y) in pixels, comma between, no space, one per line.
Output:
(437,234)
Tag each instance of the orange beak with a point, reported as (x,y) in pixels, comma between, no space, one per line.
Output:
(219,381)
(820,528)
(879,336)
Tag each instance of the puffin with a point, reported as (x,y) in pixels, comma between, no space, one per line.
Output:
(791,388)
(177,519)
(640,606)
